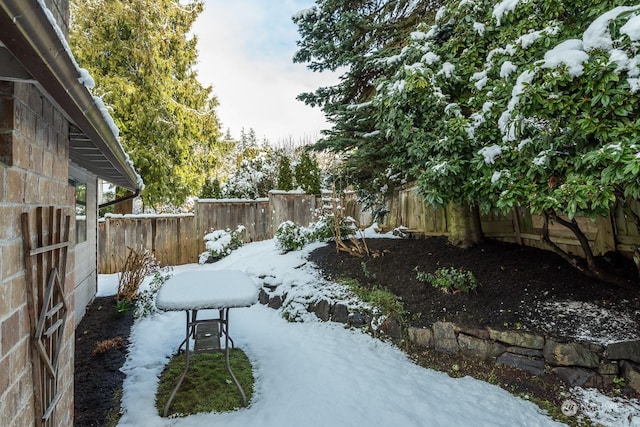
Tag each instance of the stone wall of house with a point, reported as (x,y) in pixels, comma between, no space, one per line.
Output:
(34,153)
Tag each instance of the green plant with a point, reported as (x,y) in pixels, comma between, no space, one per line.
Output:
(618,381)
(367,273)
(449,280)
(113,415)
(220,243)
(291,237)
(123,305)
(145,302)
(325,229)
(383,300)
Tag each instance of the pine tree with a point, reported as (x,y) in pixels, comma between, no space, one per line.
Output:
(285,177)
(142,63)
(307,174)
(354,36)
(211,189)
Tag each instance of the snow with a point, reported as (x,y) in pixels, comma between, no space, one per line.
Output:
(508,130)
(490,153)
(207,289)
(570,53)
(430,58)
(597,35)
(507,68)
(480,79)
(479,27)
(418,35)
(447,69)
(632,28)
(595,323)
(540,159)
(315,373)
(528,39)
(503,7)
(606,411)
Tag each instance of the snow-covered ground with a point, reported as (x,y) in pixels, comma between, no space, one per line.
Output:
(312,373)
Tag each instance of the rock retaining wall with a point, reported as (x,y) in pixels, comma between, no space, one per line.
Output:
(576,363)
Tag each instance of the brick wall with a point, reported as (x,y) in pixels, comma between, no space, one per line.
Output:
(34,151)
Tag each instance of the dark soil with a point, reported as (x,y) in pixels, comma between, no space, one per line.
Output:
(98,380)
(515,282)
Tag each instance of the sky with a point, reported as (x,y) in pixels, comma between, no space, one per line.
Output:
(245,52)
(313,373)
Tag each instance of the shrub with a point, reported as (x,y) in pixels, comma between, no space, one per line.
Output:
(220,243)
(146,301)
(324,229)
(291,237)
(137,265)
(449,280)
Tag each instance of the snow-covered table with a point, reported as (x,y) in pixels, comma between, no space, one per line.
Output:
(201,290)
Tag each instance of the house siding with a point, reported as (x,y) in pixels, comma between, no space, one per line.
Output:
(34,171)
(86,253)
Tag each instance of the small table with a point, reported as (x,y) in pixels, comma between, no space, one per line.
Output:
(201,290)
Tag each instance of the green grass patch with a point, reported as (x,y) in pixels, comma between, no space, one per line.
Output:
(208,387)
(385,301)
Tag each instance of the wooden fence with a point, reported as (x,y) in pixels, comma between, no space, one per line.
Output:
(172,239)
(178,239)
(617,232)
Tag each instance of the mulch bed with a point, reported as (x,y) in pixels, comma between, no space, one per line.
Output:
(98,379)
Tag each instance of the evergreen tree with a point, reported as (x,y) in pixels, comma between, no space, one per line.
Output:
(285,177)
(211,189)
(307,174)
(142,62)
(256,175)
(358,37)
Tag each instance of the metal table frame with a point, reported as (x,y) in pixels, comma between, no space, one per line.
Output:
(223,329)
(218,290)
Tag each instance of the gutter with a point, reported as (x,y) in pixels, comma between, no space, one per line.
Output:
(33,39)
(120,199)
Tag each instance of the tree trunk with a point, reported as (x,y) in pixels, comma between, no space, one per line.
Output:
(463,222)
(587,265)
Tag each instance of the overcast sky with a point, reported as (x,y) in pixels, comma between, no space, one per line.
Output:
(246,49)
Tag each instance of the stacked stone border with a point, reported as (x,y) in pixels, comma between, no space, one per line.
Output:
(577,363)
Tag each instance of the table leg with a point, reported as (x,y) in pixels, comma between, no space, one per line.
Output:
(225,322)
(186,367)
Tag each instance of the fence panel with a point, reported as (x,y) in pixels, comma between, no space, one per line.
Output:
(171,239)
(229,214)
(299,208)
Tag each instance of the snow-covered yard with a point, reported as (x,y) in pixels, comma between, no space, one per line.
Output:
(312,373)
